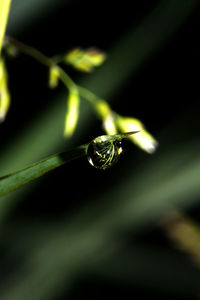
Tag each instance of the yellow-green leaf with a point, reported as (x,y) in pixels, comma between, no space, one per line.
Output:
(143,138)
(85,60)
(4,11)
(72,114)
(4,92)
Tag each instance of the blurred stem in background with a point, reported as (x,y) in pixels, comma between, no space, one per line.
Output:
(185,234)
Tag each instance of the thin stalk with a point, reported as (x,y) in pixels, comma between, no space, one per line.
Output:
(54,61)
(67,81)
(88,95)
(30,51)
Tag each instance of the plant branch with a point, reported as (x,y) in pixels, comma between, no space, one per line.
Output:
(30,51)
(88,95)
(67,81)
(54,61)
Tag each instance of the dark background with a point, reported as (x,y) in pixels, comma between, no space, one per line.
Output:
(162,91)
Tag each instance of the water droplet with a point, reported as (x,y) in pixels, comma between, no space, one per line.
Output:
(104,151)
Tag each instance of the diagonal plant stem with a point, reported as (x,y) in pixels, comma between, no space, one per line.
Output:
(49,62)
(30,51)
(67,81)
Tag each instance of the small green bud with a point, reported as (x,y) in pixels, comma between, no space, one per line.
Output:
(85,60)
(4,92)
(53,77)
(143,139)
(72,114)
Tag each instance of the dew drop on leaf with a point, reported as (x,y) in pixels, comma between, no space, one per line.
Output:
(104,151)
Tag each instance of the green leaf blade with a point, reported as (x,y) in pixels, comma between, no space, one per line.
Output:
(13,181)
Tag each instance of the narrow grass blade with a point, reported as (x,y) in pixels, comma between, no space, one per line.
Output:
(13,181)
